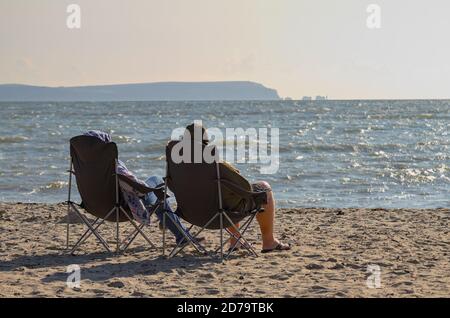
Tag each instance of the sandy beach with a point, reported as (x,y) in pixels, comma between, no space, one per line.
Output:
(332,250)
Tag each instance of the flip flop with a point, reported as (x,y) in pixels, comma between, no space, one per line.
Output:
(279,247)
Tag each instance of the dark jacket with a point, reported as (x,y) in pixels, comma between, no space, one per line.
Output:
(232,201)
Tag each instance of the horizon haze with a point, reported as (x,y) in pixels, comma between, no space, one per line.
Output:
(299,47)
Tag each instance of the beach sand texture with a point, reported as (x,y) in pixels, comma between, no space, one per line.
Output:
(332,250)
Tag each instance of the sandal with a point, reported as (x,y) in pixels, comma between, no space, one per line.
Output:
(279,247)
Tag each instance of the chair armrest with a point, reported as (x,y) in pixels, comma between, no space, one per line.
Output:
(142,189)
(257,197)
(235,188)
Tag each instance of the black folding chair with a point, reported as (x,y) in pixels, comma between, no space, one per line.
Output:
(198,190)
(94,162)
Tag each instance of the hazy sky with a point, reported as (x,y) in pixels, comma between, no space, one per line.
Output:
(299,47)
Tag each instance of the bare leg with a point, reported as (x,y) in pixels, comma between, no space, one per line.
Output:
(266,222)
(233,239)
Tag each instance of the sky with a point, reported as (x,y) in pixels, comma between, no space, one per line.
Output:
(299,47)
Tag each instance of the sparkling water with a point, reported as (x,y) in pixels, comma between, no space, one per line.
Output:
(332,153)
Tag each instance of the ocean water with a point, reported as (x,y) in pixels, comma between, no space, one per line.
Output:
(332,153)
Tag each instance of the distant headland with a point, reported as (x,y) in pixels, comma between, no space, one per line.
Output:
(161,91)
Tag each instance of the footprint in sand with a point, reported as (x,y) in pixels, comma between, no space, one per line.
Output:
(99,292)
(314,266)
(116,284)
(137,294)
(318,289)
(281,277)
(337,266)
(402,283)
(312,255)
(353,266)
(274,263)
(207,276)
(212,291)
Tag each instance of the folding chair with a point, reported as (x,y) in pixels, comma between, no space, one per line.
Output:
(93,162)
(198,191)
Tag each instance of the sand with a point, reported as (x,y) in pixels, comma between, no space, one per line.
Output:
(332,250)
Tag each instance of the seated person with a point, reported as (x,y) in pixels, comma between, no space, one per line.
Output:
(233,202)
(141,208)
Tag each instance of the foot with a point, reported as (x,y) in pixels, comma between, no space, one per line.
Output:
(276,246)
(238,246)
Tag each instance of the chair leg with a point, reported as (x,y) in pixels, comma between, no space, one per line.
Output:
(121,246)
(246,245)
(164,235)
(88,232)
(191,241)
(198,247)
(221,235)
(240,236)
(91,229)
(130,238)
(69,197)
(137,228)
(68,225)
(117,231)
(242,228)
(165,207)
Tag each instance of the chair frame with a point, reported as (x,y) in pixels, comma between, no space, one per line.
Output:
(121,246)
(222,215)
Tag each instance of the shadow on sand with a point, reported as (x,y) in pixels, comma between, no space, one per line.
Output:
(104,266)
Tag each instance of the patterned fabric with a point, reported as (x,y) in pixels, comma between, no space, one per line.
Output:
(137,208)
(131,197)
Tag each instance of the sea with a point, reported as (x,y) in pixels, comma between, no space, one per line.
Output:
(360,153)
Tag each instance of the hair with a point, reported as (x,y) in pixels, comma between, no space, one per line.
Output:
(195,127)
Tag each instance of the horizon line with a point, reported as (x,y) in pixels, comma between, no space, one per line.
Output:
(284,98)
(230,100)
